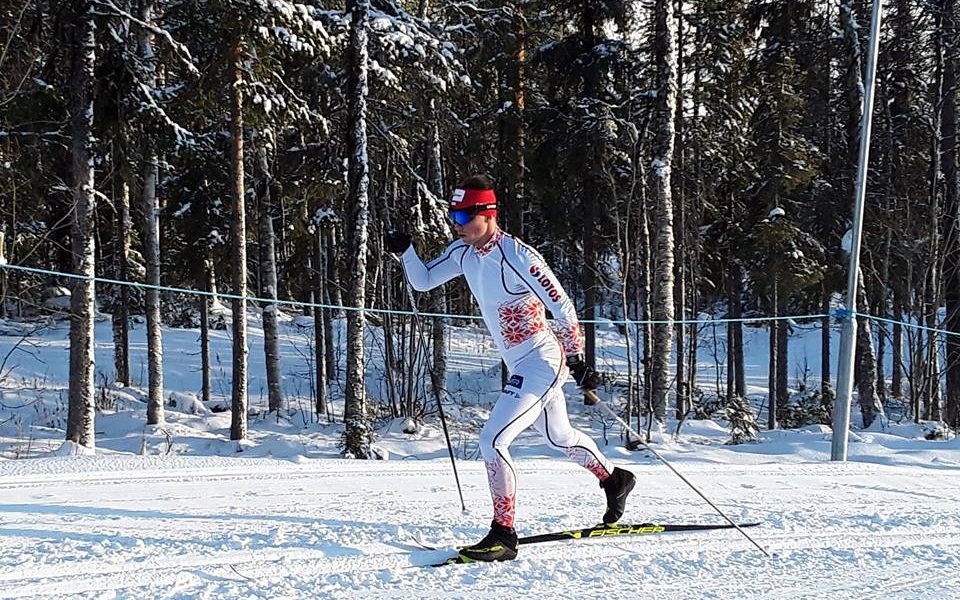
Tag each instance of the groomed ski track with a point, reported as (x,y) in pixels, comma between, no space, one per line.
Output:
(181,527)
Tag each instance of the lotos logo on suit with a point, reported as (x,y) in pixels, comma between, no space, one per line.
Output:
(515,381)
(545,283)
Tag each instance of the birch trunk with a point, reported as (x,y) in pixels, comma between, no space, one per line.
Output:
(238,404)
(151,237)
(357,436)
(663,302)
(866,363)
(81,407)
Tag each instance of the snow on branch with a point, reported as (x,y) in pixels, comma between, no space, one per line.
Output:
(184,136)
(179,49)
(404,37)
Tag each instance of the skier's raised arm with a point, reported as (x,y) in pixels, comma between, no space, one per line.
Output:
(424,277)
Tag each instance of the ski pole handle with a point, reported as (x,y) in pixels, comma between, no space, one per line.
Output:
(590,398)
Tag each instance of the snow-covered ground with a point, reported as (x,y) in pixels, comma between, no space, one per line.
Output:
(176,511)
(149,527)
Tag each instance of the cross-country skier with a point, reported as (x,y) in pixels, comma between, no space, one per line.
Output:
(514,287)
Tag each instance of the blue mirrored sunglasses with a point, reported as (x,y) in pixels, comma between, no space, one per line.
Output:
(462,217)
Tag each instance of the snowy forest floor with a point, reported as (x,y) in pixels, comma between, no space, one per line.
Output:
(176,511)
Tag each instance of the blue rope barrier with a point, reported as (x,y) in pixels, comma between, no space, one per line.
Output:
(838,313)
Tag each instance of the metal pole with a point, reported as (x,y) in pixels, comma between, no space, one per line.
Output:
(848,343)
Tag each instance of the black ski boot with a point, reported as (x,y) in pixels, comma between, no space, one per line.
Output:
(500,544)
(617,487)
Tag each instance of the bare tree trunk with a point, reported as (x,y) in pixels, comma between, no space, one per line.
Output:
(335,286)
(357,436)
(644,293)
(663,304)
(207,388)
(588,180)
(151,246)
(736,377)
(825,386)
(438,300)
(774,357)
(331,297)
(948,153)
(783,355)
(268,269)
(238,421)
(151,240)
(680,228)
(733,312)
(320,323)
(121,313)
(81,407)
(866,365)
(935,413)
(896,379)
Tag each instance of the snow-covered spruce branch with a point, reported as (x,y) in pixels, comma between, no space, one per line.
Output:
(179,131)
(179,49)
(301,103)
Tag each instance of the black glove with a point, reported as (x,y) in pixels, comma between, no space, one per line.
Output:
(585,376)
(397,241)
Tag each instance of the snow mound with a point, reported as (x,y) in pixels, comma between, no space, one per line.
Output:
(71,448)
(187,402)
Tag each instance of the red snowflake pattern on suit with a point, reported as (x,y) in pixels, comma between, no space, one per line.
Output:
(504,509)
(491,244)
(571,338)
(520,320)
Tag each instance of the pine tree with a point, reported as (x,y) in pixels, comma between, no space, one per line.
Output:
(743,422)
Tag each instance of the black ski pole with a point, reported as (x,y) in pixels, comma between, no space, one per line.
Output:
(595,399)
(436,389)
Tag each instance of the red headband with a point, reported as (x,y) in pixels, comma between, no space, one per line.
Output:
(464,199)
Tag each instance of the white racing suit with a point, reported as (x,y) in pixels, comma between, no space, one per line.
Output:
(513,286)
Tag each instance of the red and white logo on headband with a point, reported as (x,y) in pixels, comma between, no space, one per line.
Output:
(464,199)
